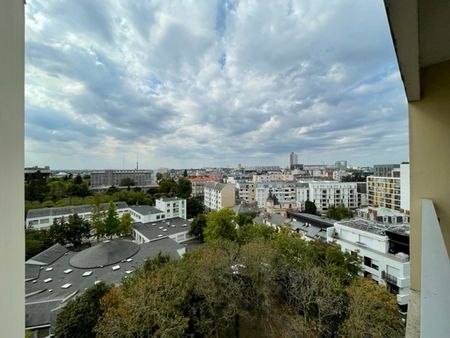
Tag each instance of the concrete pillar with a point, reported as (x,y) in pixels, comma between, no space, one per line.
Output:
(12,249)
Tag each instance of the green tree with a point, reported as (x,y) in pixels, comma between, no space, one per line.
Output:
(220,224)
(184,188)
(125,226)
(310,207)
(112,190)
(251,232)
(36,187)
(78,318)
(339,212)
(372,312)
(194,207)
(185,173)
(198,225)
(112,221)
(98,219)
(57,231)
(245,218)
(159,176)
(77,229)
(168,187)
(78,179)
(127,182)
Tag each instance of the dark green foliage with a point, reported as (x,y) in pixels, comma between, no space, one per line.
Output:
(112,190)
(198,225)
(127,182)
(168,187)
(339,212)
(184,188)
(72,231)
(194,207)
(36,187)
(245,218)
(78,318)
(112,221)
(185,173)
(220,224)
(36,241)
(159,176)
(78,179)
(310,207)
(272,284)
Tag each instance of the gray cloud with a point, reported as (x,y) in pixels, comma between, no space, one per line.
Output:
(187,84)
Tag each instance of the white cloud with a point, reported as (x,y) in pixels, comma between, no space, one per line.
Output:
(187,83)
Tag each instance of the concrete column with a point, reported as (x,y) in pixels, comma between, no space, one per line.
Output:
(12,249)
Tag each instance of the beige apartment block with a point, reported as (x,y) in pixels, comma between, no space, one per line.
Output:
(383,192)
(219,195)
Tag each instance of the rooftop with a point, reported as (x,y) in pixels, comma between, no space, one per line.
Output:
(164,228)
(145,209)
(52,285)
(70,210)
(375,227)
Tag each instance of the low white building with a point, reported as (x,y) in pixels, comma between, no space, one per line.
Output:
(219,195)
(172,207)
(383,215)
(44,217)
(176,229)
(384,253)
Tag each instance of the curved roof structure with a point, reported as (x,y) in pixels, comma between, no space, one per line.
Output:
(105,253)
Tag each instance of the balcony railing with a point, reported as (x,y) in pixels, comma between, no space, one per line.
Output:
(388,278)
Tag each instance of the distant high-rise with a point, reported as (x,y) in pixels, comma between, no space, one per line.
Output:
(293,159)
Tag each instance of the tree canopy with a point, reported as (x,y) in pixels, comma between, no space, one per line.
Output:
(339,212)
(220,224)
(272,285)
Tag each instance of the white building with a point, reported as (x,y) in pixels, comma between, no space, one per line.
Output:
(175,228)
(326,193)
(384,252)
(219,195)
(383,215)
(285,193)
(172,207)
(44,217)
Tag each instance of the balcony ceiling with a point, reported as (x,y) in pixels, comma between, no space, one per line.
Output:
(421,35)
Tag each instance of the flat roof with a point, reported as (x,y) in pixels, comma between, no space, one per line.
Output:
(375,227)
(166,227)
(145,209)
(70,210)
(44,292)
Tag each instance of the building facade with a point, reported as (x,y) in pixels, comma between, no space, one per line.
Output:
(172,207)
(383,192)
(284,192)
(384,253)
(246,191)
(384,170)
(102,178)
(326,193)
(219,195)
(198,184)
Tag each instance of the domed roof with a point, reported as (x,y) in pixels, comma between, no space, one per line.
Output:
(105,253)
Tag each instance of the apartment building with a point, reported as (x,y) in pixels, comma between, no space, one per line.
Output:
(383,215)
(246,191)
(384,170)
(326,193)
(274,177)
(284,192)
(219,195)
(384,252)
(198,184)
(102,178)
(172,207)
(383,192)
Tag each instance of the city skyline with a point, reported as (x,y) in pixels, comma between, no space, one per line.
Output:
(215,84)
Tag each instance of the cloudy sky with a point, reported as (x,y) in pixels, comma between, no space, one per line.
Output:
(204,83)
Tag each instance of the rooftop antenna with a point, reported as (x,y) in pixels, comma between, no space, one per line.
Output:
(137,161)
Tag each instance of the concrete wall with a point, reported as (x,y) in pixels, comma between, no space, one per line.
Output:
(429,130)
(12,249)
